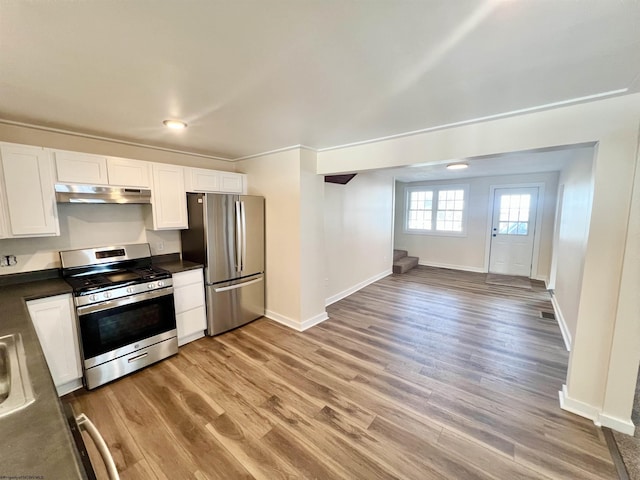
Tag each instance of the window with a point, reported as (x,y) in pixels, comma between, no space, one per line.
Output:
(514,214)
(437,209)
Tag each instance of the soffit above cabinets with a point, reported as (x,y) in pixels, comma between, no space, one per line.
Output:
(255,76)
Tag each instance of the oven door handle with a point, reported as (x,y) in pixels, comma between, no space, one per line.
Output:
(118,302)
(87,425)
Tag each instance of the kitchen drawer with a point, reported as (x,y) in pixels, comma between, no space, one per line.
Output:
(188,297)
(190,323)
(187,278)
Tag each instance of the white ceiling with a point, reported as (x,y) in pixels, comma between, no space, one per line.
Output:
(254,76)
(514,163)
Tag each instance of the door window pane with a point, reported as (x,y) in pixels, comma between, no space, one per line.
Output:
(514,214)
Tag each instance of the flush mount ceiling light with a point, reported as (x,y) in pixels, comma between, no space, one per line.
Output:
(175,124)
(457,166)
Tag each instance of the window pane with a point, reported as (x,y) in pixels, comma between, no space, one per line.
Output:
(514,214)
(522,228)
(450,210)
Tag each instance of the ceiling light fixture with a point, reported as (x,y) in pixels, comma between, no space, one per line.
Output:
(175,124)
(457,166)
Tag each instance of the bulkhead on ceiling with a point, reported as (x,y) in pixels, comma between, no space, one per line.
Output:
(339,179)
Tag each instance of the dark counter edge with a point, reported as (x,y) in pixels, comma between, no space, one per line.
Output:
(15,290)
(170,262)
(52,435)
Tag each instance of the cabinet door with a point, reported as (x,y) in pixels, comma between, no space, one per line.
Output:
(191,317)
(123,172)
(4,210)
(231,182)
(55,323)
(73,167)
(168,198)
(30,198)
(203,180)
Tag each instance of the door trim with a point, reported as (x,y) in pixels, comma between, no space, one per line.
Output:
(536,235)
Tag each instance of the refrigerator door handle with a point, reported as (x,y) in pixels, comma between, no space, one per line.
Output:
(237,285)
(244,236)
(239,235)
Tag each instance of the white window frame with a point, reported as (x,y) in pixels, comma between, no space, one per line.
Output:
(436,189)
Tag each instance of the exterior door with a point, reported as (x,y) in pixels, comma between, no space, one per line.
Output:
(512,231)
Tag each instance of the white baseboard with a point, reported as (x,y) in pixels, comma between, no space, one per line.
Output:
(540,278)
(190,338)
(579,408)
(564,329)
(300,326)
(593,413)
(617,424)
(310,322)
(355,288)
(454,267)
(69,387)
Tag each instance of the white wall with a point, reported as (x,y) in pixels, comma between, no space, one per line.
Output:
(312,241)
(625,351)
(576,184)
(468,252)
(613,125)
(358,221)
(84,226)
(277,178)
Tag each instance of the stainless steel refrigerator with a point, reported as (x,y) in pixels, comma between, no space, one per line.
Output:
(226,235)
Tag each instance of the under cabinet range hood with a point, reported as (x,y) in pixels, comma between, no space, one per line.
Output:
(99,194)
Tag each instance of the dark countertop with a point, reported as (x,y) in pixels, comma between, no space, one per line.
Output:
(35,440)
(174,264)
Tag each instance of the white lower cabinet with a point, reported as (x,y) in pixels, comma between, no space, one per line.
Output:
(191,316)
(55,322)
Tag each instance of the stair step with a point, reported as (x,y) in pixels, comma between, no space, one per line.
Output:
(404,264)
(398,254)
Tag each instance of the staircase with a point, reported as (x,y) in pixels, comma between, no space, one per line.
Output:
(402,262)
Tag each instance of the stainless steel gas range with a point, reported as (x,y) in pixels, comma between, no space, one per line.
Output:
(125,309)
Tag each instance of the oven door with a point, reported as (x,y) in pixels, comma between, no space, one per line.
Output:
(118,327)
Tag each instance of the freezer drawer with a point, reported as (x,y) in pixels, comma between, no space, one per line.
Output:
(231,304)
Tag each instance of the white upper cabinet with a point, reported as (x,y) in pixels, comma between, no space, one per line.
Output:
(233,182)
(203,180)
(4,211)
(74,167)
(89,169)
(128,173)
(30,202)
(168,199)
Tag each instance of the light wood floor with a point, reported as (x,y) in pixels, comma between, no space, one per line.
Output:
(433,374)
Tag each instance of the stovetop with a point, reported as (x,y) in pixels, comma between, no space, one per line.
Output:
(88,283)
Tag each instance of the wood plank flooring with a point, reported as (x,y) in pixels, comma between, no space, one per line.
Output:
(433,374)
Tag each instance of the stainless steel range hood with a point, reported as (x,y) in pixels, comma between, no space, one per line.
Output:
(99,194)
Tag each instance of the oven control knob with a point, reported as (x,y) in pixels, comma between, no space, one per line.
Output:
(93,298)
(161,283)
(129,289)
(107,295)
(151,285)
